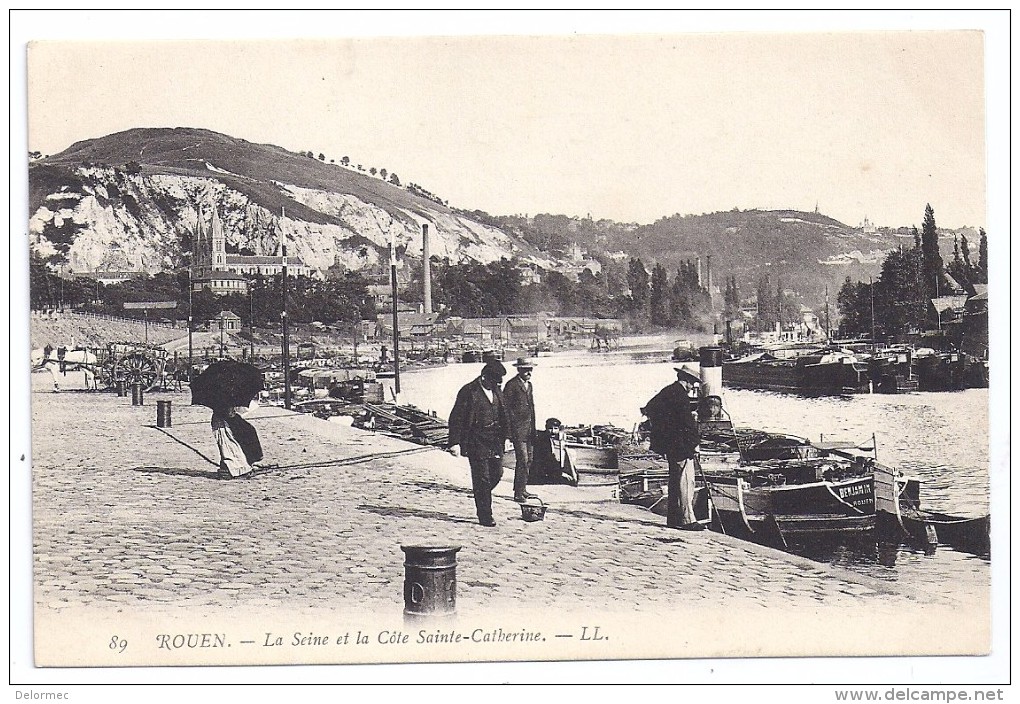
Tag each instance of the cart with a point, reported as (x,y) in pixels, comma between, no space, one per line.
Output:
(132,363)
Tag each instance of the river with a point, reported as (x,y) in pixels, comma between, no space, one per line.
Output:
(942,438)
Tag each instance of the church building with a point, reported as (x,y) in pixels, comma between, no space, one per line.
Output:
(212,268)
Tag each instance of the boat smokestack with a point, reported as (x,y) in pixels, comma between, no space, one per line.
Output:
(711,371)
(426,274)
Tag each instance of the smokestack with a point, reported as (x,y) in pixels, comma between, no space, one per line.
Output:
(426,274)
(708,278)
(700,283)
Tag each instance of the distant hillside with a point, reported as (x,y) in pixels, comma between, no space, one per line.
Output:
(805,252)
(129,201)
(787,245)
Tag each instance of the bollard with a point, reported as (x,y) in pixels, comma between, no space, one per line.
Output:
(430,580)
(121,388)
(163,415)
(137,396)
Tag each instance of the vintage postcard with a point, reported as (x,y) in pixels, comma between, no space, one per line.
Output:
(611,346)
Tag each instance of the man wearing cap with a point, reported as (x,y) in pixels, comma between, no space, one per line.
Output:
(520,406)
(480,425)
(674,433)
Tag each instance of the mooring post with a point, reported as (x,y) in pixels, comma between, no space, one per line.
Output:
(430,580)
(163,414)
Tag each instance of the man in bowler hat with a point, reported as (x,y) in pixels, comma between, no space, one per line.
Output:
(480,425)
(520,405)
(674,433)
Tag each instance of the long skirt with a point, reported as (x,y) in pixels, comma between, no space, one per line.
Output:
(232,460)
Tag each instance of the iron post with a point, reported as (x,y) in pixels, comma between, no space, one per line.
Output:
(191,327)
(396,332)
(286,337)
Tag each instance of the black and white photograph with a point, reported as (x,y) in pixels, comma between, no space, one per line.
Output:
(531,341)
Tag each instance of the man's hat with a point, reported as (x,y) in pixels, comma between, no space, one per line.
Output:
(524,363)
(684,374)
(494,369)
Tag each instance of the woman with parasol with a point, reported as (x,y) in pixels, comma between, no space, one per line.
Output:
(224,387)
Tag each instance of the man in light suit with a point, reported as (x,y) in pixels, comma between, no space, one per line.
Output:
(480,425)
(520,405)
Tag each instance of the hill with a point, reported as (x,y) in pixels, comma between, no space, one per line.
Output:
(129,202)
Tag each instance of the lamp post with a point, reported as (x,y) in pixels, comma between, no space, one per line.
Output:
(396,332)
(251,321)
(286,337)
(191,327)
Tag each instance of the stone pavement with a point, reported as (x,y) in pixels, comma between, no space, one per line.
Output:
(127,513)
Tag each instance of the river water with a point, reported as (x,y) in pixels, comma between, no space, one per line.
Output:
(942,438)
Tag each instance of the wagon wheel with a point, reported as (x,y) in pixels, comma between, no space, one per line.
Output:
(107,373)
(104,374)
(137,368)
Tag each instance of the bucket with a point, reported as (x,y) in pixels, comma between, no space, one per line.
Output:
(532,512)
(430,580)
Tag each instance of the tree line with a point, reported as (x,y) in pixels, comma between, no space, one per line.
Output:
(898,302)
(339,299)
(644,299)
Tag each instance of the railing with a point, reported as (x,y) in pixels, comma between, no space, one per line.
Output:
(58,315)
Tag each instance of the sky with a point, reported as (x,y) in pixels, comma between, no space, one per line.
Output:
(631,116)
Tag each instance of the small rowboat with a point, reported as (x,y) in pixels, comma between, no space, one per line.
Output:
(966,534)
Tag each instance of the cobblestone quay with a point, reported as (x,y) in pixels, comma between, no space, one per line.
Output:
(130,521)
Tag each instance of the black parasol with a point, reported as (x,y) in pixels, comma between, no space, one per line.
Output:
(226,383)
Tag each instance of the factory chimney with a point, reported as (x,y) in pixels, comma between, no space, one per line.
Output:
(708,280)
(426,274)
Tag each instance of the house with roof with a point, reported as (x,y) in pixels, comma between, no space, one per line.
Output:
(410,324)
(226,320)
(527,329)
(948,310)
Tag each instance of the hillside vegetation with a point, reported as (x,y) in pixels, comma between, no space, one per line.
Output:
(130,202)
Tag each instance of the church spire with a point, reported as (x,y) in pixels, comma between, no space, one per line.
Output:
(219,242)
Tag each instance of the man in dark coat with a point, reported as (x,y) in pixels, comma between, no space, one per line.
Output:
(480,425)
(520,405)
(674,433)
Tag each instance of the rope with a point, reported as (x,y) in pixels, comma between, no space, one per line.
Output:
(259,418)
(341,462)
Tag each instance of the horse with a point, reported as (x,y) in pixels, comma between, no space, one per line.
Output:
(61,360)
